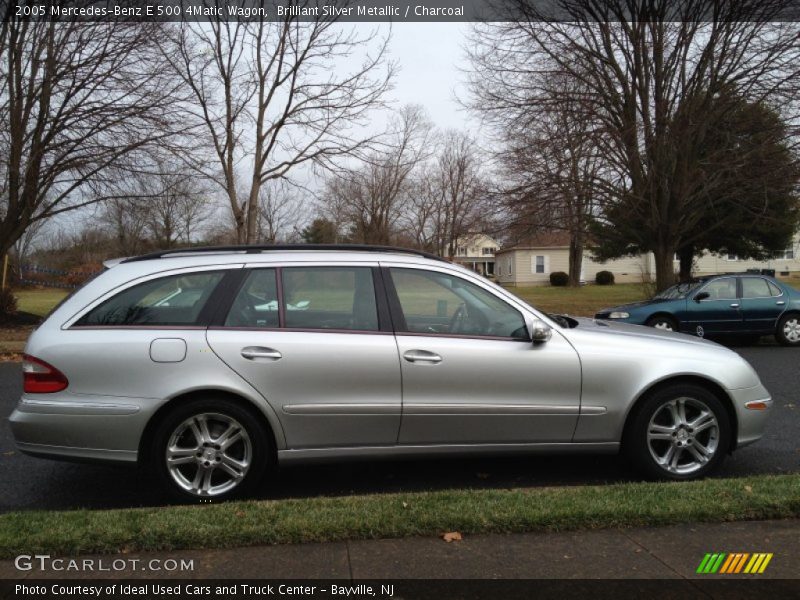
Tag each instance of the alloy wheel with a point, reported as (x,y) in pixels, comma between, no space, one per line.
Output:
(209,454)
(683,435)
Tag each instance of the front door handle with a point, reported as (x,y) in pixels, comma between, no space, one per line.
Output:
(780,303)
(253,352)
(734,305)
(422,356)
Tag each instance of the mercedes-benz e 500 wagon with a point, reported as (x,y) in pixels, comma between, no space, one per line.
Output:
(211,365)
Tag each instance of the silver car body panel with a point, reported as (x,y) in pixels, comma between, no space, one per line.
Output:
(350,394)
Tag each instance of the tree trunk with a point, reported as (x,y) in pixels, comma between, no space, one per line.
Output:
(251,218)
(686,257)
(665,271)
(575,260)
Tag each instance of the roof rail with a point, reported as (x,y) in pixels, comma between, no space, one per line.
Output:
(257,249)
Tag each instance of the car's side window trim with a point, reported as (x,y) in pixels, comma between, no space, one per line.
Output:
(231,284)
(385,320)
(399,320)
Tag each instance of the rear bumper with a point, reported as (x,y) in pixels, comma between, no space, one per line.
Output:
(103,429)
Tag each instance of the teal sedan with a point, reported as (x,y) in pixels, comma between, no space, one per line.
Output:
(745,305)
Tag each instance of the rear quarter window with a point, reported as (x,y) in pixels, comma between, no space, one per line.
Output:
(173,300)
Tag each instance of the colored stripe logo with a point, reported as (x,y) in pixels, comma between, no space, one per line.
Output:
(735,562)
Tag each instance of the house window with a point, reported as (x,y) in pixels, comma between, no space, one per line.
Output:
(499,269)
(489,268)
(488,251)
(508,264)
(732,257)
(789,254)
(540,264)
(461,251)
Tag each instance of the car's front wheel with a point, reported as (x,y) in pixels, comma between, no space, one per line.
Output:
(662,322)
(207,450)
(788,332)
(679,432)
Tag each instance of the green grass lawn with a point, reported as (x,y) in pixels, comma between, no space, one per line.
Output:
(39,301)
(583,301)
(398,515)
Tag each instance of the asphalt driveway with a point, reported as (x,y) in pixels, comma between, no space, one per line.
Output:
(31,483)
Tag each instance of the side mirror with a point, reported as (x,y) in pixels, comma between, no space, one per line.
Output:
(702,296)
(541,332)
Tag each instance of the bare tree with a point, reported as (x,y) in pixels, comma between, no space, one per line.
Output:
(125,220)
(458,175)
(372,195)
(271,96)
(162,207)
(278,212)
(80,102)
(550,169)
(649,76)
(27,242)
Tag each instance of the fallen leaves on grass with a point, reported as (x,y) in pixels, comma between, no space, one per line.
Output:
(452,536)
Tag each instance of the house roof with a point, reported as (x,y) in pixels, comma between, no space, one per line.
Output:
(544,239)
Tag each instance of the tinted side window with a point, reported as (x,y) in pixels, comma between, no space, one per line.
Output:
(256,304)
(755,287)
(722,289)
(330,298)
(173,300)
(438,303)
(774,289)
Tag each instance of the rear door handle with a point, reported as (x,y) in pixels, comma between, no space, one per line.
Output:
(422,356)
(254,352)
(780,303)
(734,305)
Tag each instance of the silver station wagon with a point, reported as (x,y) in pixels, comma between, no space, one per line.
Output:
(211,365)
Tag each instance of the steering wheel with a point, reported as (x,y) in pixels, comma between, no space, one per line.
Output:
(458,319)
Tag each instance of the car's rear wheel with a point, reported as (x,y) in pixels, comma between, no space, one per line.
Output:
(788,333)
(662,322)
(679,432)
(210,449)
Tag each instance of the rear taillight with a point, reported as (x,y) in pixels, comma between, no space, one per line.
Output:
(40,377)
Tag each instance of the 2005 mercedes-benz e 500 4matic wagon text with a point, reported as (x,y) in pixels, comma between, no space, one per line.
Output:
(210,365)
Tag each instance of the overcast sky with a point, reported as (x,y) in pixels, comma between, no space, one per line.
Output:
(430,56)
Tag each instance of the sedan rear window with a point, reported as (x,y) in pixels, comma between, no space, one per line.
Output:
(174,300)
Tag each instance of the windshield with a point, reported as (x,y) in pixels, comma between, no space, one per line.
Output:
(678,292)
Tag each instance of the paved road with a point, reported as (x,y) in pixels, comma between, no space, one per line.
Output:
(30,483)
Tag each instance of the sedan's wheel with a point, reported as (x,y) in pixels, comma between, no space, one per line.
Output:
(788,332)
(680,432)
(662,322)
(210,450)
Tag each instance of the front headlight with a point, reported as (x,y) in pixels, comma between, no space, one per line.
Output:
(619,315)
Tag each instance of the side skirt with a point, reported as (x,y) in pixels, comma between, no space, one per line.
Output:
(435,451)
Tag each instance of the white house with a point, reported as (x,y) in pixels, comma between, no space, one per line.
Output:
(532,263)
(477,252)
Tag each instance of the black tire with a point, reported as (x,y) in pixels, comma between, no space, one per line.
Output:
(219,413)
(652,410)
(662,322)
(788,322)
